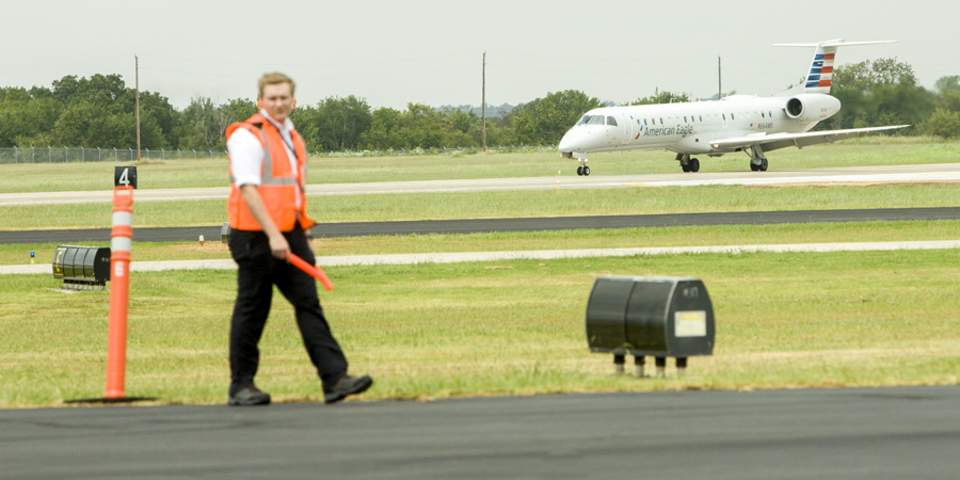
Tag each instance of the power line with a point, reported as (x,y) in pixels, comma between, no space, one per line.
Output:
(483,101)
(136,74)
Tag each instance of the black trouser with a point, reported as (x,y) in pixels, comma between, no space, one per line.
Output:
(258,272)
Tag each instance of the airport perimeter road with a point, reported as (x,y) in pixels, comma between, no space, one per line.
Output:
(924,173)
(801,434)
(423,227)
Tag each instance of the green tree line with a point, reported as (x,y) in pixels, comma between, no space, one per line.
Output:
(99,112)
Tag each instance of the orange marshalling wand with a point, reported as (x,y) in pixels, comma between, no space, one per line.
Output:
(314,271)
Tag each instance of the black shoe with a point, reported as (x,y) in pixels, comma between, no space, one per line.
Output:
(249,396)
(346,386)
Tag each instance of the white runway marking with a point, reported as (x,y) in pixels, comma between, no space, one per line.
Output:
(456,257)
(940,172)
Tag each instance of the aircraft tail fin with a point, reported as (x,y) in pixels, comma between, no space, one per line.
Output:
(819,77)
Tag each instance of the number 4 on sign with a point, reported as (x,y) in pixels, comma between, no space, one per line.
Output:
(125,176)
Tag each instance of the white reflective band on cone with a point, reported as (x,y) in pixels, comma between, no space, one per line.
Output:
(122,218)
(120,244)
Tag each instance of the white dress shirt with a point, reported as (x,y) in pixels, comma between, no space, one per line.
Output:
(246,154)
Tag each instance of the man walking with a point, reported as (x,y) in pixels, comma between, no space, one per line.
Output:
(268,217)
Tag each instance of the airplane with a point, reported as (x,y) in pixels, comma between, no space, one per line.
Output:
(736,123)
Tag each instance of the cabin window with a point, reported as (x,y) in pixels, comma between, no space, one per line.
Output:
(612,121)
(770,113)
(661,120)
(724,116)
(644,121)
(701,118)
(763,115)
(732,117)
(684,119)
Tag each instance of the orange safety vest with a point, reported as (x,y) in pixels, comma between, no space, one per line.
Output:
(278,184)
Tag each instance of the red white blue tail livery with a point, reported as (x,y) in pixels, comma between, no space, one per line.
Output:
(819,77)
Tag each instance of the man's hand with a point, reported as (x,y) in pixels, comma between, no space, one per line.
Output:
(279,246)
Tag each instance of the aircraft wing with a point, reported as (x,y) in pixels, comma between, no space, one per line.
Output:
(773,141)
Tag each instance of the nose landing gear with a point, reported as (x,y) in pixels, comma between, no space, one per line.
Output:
(583,170)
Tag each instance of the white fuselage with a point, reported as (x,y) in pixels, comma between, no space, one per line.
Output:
(689,127)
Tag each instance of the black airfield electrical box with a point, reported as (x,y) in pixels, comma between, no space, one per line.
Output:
(82,266)
(650,316)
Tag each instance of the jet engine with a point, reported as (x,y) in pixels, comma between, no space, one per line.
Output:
(811,107)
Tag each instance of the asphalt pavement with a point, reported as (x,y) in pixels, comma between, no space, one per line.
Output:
(894,433)
(422,227)
(915,173)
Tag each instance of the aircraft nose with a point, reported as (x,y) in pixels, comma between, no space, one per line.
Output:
(569,141)
(579,139)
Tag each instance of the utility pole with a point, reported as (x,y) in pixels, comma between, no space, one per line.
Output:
(483,101)
(136,76)
(719,80)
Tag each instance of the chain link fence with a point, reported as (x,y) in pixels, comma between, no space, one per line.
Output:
(86,154)
(10,155)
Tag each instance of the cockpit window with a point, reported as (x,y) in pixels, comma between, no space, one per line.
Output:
(612,121)
(591,120)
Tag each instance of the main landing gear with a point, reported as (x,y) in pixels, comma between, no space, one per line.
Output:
(583,170)
(688,164)
(758,161)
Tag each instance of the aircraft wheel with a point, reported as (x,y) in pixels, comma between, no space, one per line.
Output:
(763,165)
(586,171)
(579,170)
(753,167)
(694,165)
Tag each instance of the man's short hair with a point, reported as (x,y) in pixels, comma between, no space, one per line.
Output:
(274,78)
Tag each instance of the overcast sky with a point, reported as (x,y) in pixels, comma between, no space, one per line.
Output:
(394,52)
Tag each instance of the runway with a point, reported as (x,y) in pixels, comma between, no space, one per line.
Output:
(791,434)
(921,173)
(423,227)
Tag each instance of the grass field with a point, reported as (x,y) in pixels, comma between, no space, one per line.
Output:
(455,165)
(783,321)
(436,331)
(13,254)
(560,202)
